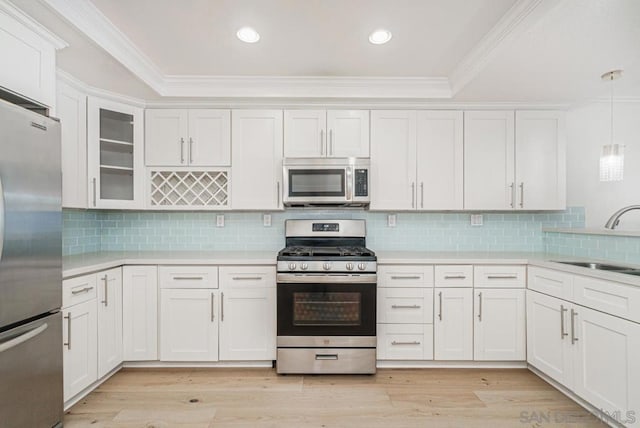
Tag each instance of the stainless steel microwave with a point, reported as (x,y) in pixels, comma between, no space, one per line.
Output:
(326,182)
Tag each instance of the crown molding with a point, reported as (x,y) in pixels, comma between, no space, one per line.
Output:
(520,17)
(89,20)
(81,86)
(33,25)
(306,87)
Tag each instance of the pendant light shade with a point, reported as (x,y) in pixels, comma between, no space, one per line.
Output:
(612,156)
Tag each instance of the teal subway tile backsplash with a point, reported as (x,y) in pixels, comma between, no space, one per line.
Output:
(88,231)
(614,248)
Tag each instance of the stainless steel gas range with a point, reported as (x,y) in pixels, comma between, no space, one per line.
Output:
(326,298)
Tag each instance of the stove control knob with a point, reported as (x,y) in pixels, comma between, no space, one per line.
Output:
(292,266)
(304,266)
(326,266)
(362,266)
(349,266)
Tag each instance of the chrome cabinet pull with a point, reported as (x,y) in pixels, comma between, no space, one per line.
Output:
(82,290)
(413,195)
(212,315)
(422,194)
(563,334)
(480,306)
(181,150)
(502,276)
(221,306)
(188,278)
(405,306)
(574,339)
(68,318)
(513,196)
(322,142)
(331,142)
(278,194)
(247,278)
(521,195)
(190,150)
(94,191)
(326,356)
(415,342)
(106,290)
(406,277)
(440,310)
(455,277)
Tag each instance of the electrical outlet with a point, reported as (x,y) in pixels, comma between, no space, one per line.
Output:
(266,220)
(220,220)
(391,220)
(476,219)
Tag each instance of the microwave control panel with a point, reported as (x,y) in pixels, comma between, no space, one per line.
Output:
(361,182)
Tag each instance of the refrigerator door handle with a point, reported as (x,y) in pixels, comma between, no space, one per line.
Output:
(1,218)
(13,342)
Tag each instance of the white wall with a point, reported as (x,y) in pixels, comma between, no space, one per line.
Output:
(588,130)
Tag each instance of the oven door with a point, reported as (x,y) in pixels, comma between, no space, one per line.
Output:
(313,184)
(315,307)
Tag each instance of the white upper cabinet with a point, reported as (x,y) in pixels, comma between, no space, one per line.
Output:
(326,133)
(540,160)
(393,160)
(196,137)
(256,176)
(115,164)
(417,160)
(514,161)
(72,112)
(489,160)
(439,160)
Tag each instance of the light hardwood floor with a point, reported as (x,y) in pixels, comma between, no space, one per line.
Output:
(205,398)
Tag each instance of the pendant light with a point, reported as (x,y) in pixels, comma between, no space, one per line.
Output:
(612,156)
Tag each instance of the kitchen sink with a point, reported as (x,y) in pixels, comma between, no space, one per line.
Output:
(603,266)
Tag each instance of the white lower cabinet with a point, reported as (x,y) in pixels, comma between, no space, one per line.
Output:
(453,324)
(140,313)
(109,320)
(80,347)
(247,313)
(499,325)
(405,342)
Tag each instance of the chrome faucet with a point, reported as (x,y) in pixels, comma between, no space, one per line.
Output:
(614,220)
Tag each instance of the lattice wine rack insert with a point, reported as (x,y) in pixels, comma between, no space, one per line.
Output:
(190,188)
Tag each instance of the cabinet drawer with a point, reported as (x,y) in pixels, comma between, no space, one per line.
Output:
(405,276)
(499,276)
(248,276)
(551,282)
(405,342)
(454,276)
(610,297)
(78,290)
(188,276)
(405,305)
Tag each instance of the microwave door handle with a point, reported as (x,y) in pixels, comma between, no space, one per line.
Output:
(349,184)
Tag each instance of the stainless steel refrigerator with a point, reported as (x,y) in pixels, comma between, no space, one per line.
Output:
(30,270)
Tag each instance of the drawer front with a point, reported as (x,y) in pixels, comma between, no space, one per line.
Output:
(454,276)
(405,305)
(79,290)
(188,276)
(405,342)
(499,276)
(614,298)
(326,360)
(551,282)
(405,276)
(248,276)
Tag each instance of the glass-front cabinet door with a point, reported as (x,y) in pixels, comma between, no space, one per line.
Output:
(115,154)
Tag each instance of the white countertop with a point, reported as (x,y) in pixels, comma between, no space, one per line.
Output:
(93,262)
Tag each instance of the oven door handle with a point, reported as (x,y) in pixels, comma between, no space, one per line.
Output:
(287,278)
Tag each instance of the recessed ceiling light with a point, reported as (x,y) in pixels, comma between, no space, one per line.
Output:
(248,35)
(380,37)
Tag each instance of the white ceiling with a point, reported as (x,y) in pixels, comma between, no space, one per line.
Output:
(520,51)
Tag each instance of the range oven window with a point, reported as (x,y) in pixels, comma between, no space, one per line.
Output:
(316,182)
(334,309)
